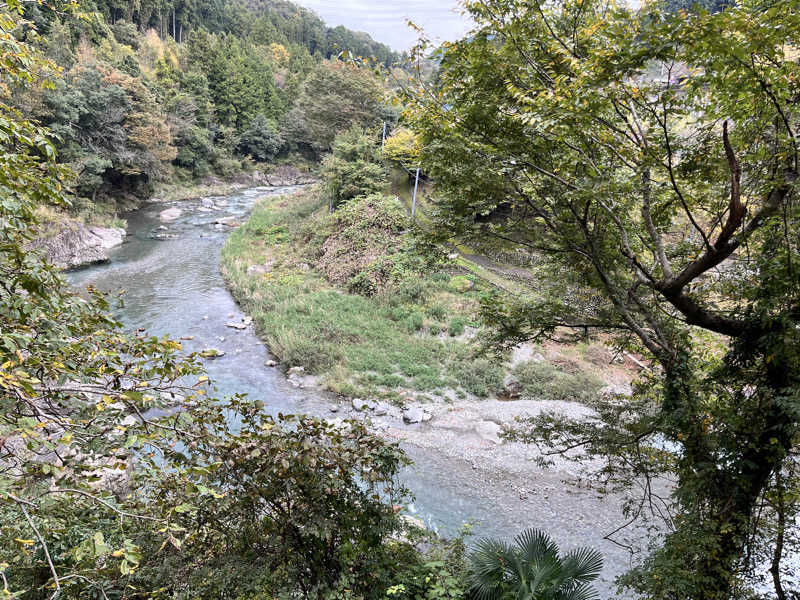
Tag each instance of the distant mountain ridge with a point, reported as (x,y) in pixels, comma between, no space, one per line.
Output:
(284,21)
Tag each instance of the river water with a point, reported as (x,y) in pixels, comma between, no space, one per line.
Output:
(173,286)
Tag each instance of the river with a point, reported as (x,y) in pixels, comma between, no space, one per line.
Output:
(173,285)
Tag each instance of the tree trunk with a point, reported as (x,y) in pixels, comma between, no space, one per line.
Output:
(780,509)
(728,493)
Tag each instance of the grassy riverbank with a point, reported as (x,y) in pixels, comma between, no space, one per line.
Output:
(410,331)
(360,302)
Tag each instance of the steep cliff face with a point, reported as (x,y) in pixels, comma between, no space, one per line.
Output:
(73,244)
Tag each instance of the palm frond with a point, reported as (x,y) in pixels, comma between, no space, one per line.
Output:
(491,566)
(583,564)
(535,544)
(582,591)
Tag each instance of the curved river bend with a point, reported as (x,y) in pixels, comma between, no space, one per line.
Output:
(173,285)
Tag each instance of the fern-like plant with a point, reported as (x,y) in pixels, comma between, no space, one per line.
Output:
(532,569)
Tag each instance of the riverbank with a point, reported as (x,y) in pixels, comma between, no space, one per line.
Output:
(354,303)
(71,241)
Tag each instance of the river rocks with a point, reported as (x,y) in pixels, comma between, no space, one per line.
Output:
(360,405)
(228,222)
(75,245)
(212,353)
(297,377)
(414,414)
(413,522)
(163,237)
(254,270)
(381,408)
(334,408)
(242,325)
(512,388)
(489,431)
(270,363)
(170,214)
(616,390)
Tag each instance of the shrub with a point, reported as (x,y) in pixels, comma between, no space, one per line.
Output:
(543,380)
(353,168)
(415,321)
(310,504)
(412,291)
(437,311)
(434,329)
(461,284)
(457,326)
(531,569)
(480,377)
(365,244)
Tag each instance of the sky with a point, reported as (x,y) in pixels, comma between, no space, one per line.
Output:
(385,20)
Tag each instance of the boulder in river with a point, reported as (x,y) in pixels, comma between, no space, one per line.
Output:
(170,214)
(212,353)
(241,325)
(362,405)
(75,245)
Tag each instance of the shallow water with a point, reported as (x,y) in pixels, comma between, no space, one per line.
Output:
(174,286)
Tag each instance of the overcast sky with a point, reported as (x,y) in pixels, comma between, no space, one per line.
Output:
(385,20)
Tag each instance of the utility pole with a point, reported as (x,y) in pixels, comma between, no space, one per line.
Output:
(414,200)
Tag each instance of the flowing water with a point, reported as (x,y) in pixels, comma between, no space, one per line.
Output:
(173,285)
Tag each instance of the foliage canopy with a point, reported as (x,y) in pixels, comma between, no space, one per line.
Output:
(651,158)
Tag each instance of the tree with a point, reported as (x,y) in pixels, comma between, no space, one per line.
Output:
(650,158)
(353,168)
(532,569)
(113,457)
(71,383)
(335,96)
(106,117)
(402,147)
(261,140)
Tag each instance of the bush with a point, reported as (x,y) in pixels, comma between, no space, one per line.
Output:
(309,505)
(543,380)
(415,321)
(434,329)
(353,168)
(412,291)
(480,377)
(437,311)
(457,326)
(461,284)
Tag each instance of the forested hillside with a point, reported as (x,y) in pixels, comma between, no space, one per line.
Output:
(149,92)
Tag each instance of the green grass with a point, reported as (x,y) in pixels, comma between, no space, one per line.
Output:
(360,346)
(544,381)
